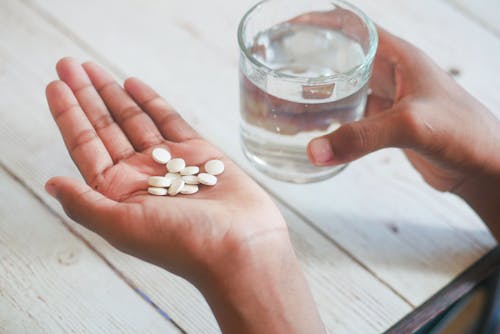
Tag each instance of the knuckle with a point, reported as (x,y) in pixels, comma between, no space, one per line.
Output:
(83,88)
(169,118)
(103,121)
(409,120)
(172,121)
(417,130)
(148,140)
(150,102)
(128,113)
(69,109)
(82,138)
(122,155)
(108,85)
(356,135)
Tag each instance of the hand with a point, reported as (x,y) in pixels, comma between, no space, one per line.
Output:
(230,230)
(449,137)
(447,134)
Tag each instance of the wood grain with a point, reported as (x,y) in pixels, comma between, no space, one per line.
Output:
(484,12)
(50,282)
(348,295)
(411,237)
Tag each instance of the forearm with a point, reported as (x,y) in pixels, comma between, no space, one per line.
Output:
(265,291)
(482,193)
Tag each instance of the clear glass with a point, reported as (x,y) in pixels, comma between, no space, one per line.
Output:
(304,71)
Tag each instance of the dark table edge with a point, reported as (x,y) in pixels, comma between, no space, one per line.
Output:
(445,297)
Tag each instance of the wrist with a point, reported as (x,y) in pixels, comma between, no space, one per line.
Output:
(259,287)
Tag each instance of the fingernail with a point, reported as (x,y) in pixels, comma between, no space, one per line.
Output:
(321,150)
(51,189)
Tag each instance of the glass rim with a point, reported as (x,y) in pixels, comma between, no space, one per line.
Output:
(367,61)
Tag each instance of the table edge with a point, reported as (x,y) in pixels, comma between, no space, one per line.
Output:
(449,294)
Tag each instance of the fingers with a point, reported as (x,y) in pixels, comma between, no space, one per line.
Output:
(388,65)
(170,123)
(83,144)
(337,19)
(354,140)
(401,69)
(72,73)
(137,125)
(87,206)
(383,81)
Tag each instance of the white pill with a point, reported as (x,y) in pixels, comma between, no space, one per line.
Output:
(175,165)
(190,179)
(190,170)
(161,155)
(189,189)
(159,181)
(157,191)
(207,179)
(176,187)
(214,167)
(172,176)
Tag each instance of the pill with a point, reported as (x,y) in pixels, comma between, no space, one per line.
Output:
(159,181)
(161,155)
(207,179)
(172,176)
(190,170)
(175,165)
(214,167)
(176,187)
(189,189)
(190,179)
(157,191)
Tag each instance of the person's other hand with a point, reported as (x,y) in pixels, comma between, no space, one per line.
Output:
(446,134)
(451,139)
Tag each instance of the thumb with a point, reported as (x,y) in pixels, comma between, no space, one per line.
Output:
(85,205)
(354,140)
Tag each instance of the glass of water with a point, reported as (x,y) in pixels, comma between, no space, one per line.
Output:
(304,71)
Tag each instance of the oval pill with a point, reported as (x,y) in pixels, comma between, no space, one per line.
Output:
(159,181)
(172,176)
(190,170)
(214,167)
(190,179)
(175,165)
(161,155)
(207,179)
(189,189)
(157,191)
(176,187)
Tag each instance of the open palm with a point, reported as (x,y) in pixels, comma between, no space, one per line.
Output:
(110,132)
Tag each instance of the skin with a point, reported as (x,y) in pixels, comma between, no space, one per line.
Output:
(221,239)
(450,138)
(230,240)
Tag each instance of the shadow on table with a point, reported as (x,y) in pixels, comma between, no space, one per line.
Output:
(417,248)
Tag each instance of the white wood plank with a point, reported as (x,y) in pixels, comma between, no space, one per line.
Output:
(483,11)
(379,209)
(349,297)
(50,282)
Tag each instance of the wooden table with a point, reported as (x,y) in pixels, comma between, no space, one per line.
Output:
(375,241)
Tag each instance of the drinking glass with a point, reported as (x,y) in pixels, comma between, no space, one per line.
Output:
(304,71)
